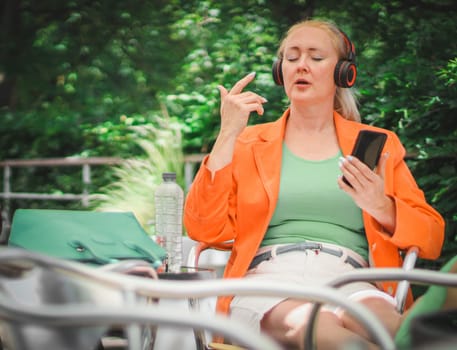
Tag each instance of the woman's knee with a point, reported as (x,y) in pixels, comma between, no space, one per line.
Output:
(287,322)
(277,321)
(385,312)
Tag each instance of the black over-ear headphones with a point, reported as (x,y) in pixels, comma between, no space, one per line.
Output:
(345,69)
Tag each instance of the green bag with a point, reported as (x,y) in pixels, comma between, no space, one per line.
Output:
(85,236)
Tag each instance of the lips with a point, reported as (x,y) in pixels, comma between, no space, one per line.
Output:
(301,82)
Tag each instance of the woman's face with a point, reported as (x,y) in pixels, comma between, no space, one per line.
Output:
(308,66)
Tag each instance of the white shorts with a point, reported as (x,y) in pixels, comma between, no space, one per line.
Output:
(303,268)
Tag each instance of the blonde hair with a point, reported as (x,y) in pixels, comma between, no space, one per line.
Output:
(345,101)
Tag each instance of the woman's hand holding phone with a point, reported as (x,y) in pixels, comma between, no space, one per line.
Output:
(367,148)
(358,168)
(366,185)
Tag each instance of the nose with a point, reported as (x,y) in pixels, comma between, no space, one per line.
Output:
(302,63)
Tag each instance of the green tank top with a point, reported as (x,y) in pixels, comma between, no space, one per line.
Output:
(311,206)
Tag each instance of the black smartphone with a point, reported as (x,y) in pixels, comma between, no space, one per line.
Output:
(368,147)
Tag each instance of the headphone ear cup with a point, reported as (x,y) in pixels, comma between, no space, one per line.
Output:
(345,73)
(277,72)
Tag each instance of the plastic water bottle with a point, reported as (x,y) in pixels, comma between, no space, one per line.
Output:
(169,200)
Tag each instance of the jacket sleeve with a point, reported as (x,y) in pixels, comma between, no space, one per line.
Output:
(417,223)
(209,213)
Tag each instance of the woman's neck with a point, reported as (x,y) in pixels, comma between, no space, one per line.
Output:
(311,119)
(310,134)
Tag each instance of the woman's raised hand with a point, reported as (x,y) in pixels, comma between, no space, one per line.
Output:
(237,105)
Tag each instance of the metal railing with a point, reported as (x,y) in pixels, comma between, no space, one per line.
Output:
(190,162)
(85,163)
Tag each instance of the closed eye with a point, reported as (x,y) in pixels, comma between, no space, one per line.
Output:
(316,59)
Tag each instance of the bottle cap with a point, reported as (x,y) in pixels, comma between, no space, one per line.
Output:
(169,176)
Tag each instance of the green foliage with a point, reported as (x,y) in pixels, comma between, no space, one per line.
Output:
(407,74)
(436,165)
(76,65)
(82,78)
(137,178)
(223,51)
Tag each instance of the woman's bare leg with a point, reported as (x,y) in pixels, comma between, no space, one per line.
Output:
(330,331)
(383,310)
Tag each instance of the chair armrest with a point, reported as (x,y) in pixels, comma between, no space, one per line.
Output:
(194,253)
(403,286)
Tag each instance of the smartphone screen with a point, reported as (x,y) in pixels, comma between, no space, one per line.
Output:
(368,147)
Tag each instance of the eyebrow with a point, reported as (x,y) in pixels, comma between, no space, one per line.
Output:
(296,48)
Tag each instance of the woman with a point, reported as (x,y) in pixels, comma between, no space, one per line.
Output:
(277,184)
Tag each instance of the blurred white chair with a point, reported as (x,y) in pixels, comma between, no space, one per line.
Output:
(89,300)
(50,303)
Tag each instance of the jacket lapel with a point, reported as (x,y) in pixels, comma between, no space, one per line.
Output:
(346,132)
(268,155)
(268,151)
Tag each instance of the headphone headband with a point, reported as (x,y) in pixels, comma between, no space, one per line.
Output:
(350,48)
(345,72)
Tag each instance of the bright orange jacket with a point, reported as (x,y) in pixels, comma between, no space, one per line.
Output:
(239,202)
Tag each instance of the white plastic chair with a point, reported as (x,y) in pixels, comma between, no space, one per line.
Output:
(57,321)
(409,262)
(194,260)
(49,303)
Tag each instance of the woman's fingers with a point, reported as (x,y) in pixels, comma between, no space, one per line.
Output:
(367,187)
(237,105)
(382,164)
(223,91)
(253,101)
(255,106)
(242,83)
(355,171)
(368,191)
(245,102)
